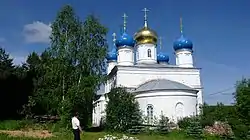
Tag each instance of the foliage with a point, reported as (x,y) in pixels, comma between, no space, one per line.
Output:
(219,112)
(184,122)
(15,87)
(68,73)
(242,97)
(221,129)
(194,128)
(122,111)
(163,125)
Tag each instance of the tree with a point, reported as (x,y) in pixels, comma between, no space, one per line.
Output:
(122,110)
(242,97)
(15,86)
(78,51)
(6,64)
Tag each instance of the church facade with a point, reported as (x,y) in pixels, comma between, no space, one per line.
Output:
(172,90)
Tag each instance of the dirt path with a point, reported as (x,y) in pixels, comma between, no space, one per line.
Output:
(28,133)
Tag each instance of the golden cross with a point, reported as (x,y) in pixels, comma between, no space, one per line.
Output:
(145,10)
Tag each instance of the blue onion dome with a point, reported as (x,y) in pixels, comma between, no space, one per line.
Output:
(112,55)
(183,43)
(125,40)
(161,57)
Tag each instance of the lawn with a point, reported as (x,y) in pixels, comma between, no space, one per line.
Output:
(19,130)
(16,135)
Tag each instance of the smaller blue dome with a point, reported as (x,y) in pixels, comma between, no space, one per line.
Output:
(161,57)
(125,40)
(112,55)
(183,43)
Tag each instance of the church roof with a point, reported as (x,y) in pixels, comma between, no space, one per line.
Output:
(162,84)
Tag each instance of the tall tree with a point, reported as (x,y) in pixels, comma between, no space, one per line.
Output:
(15,86)
(242,98)
(91,67)
(77,62)
(241,127)
(6,63)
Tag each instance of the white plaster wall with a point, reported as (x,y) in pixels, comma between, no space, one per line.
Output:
(184,58)
(125,56)
(133,77)
(164,102)
(111,82)
(96,116)
(111,65)
(143,53)
(99,111)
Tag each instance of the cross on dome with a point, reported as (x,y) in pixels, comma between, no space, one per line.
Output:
(124,21)
(114,37)
(145,10)
(181,26)
(160,42)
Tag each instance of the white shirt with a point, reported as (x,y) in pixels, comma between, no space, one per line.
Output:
(75,123)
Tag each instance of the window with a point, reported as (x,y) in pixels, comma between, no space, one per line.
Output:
(149,53)
(150,114)
(179,110)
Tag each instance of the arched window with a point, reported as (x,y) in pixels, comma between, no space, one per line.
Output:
(150,114)
(149,53)
(179,111)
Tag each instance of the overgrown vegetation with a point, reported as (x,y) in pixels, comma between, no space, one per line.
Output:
(228,122)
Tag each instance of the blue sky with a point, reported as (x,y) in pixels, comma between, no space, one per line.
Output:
(219,30)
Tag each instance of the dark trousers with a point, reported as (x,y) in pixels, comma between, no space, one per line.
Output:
(76,133)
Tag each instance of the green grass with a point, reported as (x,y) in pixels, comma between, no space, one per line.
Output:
(59,134)
(95,136)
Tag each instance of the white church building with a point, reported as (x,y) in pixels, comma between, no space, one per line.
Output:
(172,90)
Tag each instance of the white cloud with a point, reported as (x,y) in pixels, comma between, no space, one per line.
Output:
(37,32)
(18,59)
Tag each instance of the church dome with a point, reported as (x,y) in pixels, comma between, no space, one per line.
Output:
(125,40)
(146,36)
(162,84)
(112,55)
(183,43)
(161,57)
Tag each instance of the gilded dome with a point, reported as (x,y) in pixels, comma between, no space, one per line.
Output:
(146,36)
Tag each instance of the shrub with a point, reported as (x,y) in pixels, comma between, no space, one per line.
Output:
(193,127)
(184,122)
(221,129)
(122,111)
(163,126)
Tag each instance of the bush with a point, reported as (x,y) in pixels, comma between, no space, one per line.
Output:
(221,129)
(122,111)
(163,126)
(192,127)
(184,122)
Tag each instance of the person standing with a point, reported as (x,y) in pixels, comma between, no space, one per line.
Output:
(76,127)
